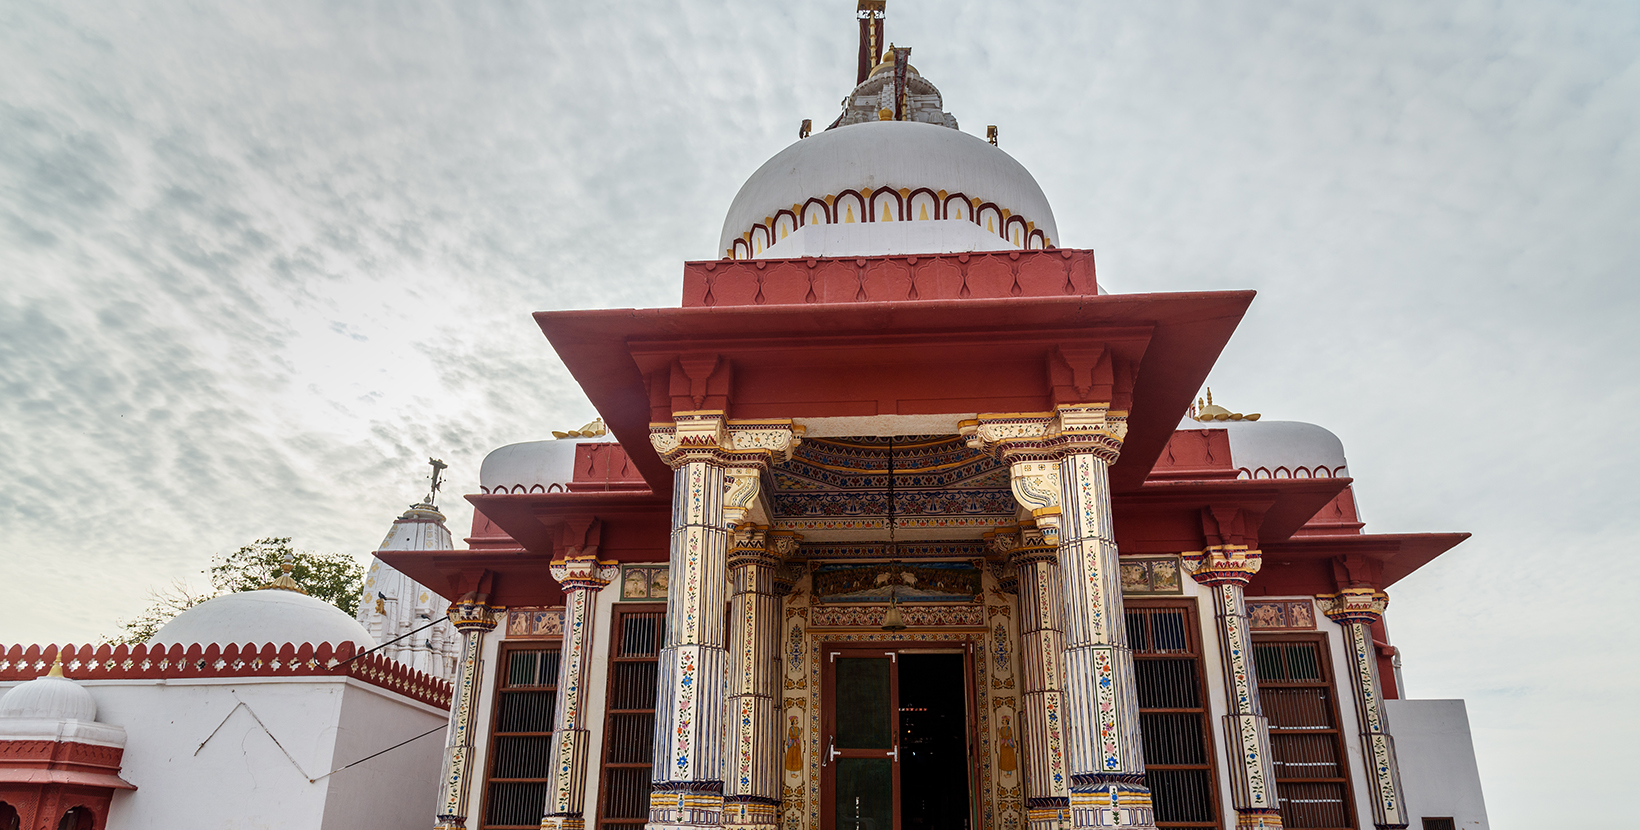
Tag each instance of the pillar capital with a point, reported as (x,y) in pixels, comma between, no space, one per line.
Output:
(1354,605)
(584,572)
(1223,564)
(709,436)
(472,613)
(1048,436)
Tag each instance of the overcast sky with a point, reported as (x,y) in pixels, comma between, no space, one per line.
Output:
(258,263)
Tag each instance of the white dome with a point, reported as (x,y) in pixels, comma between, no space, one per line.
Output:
(49,698)
(531,467)
(1280,449)
(261,617)
(895,155)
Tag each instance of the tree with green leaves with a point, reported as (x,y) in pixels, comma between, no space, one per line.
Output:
(333,577)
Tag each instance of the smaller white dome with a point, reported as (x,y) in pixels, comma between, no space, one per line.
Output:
(261,617)
(49,698)
(531,467)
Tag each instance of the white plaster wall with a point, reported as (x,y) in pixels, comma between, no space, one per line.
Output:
(930,236)
(594,699)
(1218,694)
(1349,721)
(200,759)
(398,788)
(1437,757)
(490,653)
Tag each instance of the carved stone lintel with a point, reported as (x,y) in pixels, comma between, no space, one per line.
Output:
(1354,605)
(584,572)
(1223,564)
(1045,436)
(709,436)
(472,613)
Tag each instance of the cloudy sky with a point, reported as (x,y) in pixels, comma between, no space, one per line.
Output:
(257,263)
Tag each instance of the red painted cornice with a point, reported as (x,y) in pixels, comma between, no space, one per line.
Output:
(921,357)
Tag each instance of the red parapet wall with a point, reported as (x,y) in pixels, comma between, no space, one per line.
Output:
(1059,272)
(141,662)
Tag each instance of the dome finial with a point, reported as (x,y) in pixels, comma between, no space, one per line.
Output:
(56,666)
(284,582)
(438,481)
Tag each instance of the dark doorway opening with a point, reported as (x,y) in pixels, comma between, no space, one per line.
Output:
(933,742)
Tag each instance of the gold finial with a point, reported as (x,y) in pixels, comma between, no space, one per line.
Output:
(592,430)
(803,131)
(1209,411)
(991,134)
(56,666)
(284,582)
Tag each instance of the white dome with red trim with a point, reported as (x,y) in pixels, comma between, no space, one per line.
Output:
(873,185)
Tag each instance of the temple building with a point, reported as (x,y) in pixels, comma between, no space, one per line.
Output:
(902,521)
(899,521)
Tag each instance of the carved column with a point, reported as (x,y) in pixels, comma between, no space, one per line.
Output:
(1356,609)
(1226,570)
(582,577)
(717,466)
(1059,463)
(1042,689)
(752,790)
(473,617)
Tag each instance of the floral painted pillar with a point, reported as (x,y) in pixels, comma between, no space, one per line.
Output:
(1226,570)
(1357,609)
(1059,464)
(702,447)
(752,787)
(473,617)
(1042,679)
(582,576)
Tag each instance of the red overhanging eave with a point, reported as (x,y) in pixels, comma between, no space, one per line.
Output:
(1397,555)
(1182,336)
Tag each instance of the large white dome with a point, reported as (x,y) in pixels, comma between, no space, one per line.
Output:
(914,171)
(261,617)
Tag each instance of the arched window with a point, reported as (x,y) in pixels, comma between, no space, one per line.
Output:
(77,818)
(9,819)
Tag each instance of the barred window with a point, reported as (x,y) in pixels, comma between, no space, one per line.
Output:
(1300,702)
(515,789)
(1178,736)
(629,719)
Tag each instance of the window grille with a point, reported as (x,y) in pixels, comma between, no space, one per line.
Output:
(1178,736)
(629,719)
(1312,776)
(521,737)
(1431,823)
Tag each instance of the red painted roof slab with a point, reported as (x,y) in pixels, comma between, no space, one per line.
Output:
(976,275)
(905,358)
(1165,516)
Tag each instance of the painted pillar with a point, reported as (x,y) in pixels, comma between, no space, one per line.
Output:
(752,789)
(1059,465)
(474,618)
(717,466)
(1042,678)
(1356,609)
(582,577)
(1226,570)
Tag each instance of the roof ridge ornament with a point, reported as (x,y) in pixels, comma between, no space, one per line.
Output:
(594,429)
(1207,411)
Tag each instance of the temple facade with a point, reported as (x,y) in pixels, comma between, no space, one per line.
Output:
(901,521)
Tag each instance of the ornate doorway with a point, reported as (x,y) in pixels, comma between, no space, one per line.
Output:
(898,737)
